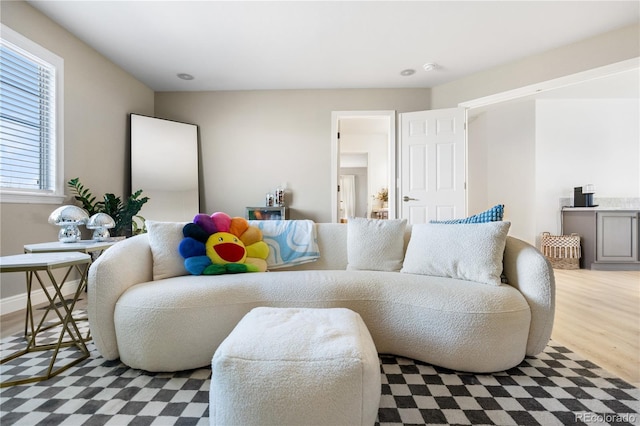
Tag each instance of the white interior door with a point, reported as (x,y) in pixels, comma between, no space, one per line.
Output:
(433,165)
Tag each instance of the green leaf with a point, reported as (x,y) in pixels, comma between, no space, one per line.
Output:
(84,196)
(121,212)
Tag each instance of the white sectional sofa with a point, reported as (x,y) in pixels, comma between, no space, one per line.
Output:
(147,311)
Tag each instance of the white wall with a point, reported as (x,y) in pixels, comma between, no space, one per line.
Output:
(528,155)
(585,141)
(483,167)
(502,166)
(252,141)
(97,100)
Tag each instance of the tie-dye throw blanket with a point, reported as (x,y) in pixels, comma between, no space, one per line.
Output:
(291,242)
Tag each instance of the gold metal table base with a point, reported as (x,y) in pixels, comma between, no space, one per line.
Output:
(42,326)
(70,335)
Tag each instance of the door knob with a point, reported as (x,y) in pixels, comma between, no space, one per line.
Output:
(407,198)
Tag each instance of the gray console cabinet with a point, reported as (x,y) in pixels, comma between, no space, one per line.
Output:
(582,222)
(609,238)
(617,238)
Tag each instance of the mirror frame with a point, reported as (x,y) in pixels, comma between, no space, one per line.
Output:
(154,147)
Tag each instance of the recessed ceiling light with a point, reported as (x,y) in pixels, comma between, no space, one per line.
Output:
(407,72)
(430,66)
(185,76)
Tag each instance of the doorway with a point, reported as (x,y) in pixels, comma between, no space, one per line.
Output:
(368,135)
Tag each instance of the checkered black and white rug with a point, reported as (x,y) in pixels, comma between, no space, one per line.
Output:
(556,387)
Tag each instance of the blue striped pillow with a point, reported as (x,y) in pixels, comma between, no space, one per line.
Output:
(494,214)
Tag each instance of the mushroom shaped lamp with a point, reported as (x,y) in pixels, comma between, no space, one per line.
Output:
(101,223)
(68,218)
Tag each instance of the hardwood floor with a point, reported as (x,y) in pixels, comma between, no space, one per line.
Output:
(597,316)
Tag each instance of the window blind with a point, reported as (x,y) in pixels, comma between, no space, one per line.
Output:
(27,121)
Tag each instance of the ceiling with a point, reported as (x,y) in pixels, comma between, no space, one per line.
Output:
(262,45)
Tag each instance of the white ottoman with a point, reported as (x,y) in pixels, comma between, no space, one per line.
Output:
(289,366)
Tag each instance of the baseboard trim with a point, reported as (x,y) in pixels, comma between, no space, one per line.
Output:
(18,302)
(604,266)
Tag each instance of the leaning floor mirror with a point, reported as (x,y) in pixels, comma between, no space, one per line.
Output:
(164,164)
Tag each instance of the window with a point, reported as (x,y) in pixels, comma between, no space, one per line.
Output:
(31,147)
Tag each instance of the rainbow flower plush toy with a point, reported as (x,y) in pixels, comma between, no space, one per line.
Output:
(220,244)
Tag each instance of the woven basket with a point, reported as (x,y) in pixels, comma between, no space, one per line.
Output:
(563,251)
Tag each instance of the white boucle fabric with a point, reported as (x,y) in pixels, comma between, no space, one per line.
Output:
(470,252)
(164,239)
(461,325)
(122,266)
(291,366)
(450,323)
(526,269)
(375,245)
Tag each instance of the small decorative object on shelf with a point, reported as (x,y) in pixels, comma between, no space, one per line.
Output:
(101,223)
(68,218)
(266,213)
(269,200)
(279,196)
(381,199)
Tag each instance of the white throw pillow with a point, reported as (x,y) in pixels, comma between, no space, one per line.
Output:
(375,244)
(470,252)
(164,239)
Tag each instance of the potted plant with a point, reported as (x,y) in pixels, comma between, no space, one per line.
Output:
(123,213)
(382,197)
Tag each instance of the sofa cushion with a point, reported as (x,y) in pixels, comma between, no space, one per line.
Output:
(164,239)
(494,214)
(375,244)
(470,252)
(220,244)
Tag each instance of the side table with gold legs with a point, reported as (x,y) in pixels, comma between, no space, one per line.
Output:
(38,265)
(91,247)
